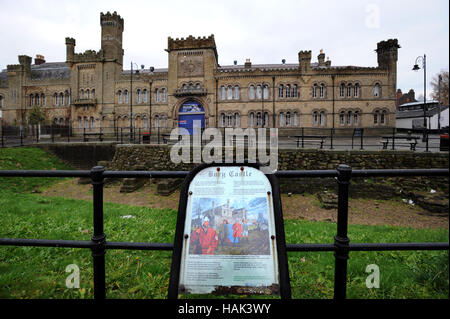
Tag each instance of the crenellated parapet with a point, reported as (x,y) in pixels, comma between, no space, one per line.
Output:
(112,19)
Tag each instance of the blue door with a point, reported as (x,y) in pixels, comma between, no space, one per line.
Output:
(191,116)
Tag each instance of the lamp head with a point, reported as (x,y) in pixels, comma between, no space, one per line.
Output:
(416,67)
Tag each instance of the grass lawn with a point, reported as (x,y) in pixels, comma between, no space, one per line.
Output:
(28,272)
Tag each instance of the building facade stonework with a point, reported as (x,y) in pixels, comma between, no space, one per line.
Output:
(92,90)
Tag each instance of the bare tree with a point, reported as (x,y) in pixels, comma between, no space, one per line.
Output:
(444,87)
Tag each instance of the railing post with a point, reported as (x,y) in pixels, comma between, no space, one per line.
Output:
(341,241)
(393,138)
(303,133)
(99,238)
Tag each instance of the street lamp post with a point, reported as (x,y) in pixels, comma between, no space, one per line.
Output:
(131,100)
(416,67)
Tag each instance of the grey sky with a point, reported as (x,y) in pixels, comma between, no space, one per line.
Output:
(264,31)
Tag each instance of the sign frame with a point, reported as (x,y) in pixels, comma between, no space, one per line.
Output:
(283,271)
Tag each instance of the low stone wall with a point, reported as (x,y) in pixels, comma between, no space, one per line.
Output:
(81,155)
(157,157)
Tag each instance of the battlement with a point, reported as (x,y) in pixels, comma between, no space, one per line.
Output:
(88,56)
(387,45)
(111,19)
(191,43)
(70,41)
(306,55)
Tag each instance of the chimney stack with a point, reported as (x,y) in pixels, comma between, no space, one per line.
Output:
(39,59)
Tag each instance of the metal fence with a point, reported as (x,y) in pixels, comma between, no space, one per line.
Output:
(292,137)
(341,246)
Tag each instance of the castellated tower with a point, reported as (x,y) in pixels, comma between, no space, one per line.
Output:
(70,51)
(112,29)
(387,53)
(304,59)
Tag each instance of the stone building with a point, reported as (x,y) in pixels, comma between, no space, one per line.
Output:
(93,89)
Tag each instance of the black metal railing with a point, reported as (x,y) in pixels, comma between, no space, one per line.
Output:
(341,246)
(288,137)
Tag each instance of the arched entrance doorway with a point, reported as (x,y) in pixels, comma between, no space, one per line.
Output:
(189,112)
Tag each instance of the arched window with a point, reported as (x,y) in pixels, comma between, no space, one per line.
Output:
(314,92)
(157,95)
(315,118)
(61,98)
(383,117)
(163,121)
(377,90)
(295,119)
(191,86)
(342,118)
(80,122)
(145,95)
(236,120)
(251,92)
(375,117)
(322,118)
(258,119)
(258,91)
(229,92)
(120,97)
(92,123)
(229,120)
(288,118)
(265,91)
(125,93)
(145,121)
(280,91)
(197,86)
(288,90)
(156,121)
(342,90)
(222,119)
(81,94)
(93,93)
(139,96)
(349,90)
(356,118)
(36,99)
(86,123)
(356,90)
(236,92)
(295,91)
(222,92)
(281,119)
(88,94)
(43,99)
(266,119)
(2,101)
(252,119)
(322,90)
(349,118)
(31,100)
(55,98)
(163,95)
(184,87)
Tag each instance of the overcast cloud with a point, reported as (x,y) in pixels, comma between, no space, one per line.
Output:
(264,31)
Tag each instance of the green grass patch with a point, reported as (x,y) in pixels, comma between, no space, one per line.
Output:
(28,272)
(28,158)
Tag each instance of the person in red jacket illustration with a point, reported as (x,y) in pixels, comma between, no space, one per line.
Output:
(237,231)
(208,238)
